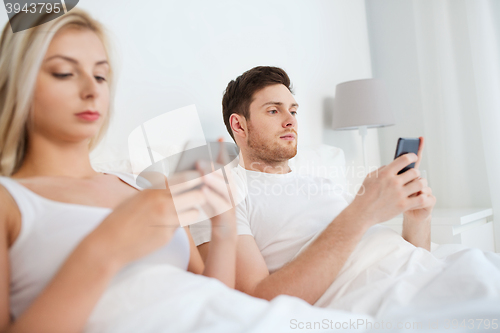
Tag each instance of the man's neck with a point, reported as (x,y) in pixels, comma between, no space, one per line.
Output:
(255,164)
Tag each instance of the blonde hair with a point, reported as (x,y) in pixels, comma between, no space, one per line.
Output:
(21,56)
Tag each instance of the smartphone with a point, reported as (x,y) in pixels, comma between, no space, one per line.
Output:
(208,153)
(405,146)
(186,160)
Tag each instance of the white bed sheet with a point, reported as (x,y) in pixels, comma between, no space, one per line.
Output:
(167,299)
(387,277)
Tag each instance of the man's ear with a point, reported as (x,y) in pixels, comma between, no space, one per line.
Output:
(238,125)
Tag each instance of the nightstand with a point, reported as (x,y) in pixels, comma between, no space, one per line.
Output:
(472,227)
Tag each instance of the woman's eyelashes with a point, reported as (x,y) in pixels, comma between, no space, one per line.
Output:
(100,78)
(67,75)
(62,75)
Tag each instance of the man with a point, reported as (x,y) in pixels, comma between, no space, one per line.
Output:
(274,226)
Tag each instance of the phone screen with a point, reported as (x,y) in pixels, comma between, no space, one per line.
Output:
(405,146)
(208,152)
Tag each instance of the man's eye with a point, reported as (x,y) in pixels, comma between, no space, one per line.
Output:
(100,78)
(61,75)
(273,111)
(294,113)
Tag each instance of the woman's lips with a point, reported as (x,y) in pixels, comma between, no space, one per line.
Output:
(88,115)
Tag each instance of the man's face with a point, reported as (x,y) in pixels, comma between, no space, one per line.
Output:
(272,127)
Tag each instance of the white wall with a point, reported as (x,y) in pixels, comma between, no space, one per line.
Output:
(176,53)
(425,61)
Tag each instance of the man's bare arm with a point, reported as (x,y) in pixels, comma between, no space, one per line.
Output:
(311,272)
(385,195)
(418,232)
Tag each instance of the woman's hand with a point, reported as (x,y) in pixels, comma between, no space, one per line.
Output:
(141,225)
(220,260)
(220,206)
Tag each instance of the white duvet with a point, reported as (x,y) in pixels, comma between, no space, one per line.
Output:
(389,278)
(385,280)
(168,299)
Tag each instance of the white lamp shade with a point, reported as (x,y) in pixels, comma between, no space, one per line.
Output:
(361,103)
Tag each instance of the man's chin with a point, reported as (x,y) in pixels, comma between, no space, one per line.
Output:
(277,151)
(289,152)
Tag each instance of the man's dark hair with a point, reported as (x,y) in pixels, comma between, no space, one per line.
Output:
(239,93)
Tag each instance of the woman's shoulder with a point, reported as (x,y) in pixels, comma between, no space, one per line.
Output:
(10,216)
(7,201)
(127,178)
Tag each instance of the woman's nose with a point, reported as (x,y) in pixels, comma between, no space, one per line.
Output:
(90,87)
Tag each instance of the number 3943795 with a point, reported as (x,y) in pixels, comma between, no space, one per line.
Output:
(471,324)
(35,7)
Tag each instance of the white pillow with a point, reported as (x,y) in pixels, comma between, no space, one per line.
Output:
(321,161)
(108,157)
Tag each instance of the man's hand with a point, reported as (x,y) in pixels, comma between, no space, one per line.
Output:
(417,221)
(423,211)
(385,194)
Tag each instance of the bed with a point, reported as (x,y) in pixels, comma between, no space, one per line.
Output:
(386,284)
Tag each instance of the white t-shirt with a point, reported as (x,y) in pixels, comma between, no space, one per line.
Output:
(283,212)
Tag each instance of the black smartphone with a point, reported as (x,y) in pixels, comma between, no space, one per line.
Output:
(405,146)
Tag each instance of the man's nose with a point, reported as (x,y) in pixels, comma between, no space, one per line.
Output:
(290,121)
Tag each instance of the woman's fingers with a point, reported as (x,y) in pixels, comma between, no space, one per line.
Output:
(182,177)
(205,167)
(186,196)
(188,200)
(217,203)
(187,185)
(216,182)
(188,217)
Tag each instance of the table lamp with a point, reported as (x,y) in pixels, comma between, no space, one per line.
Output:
(361,104)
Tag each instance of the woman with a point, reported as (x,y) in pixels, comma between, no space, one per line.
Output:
(66,229)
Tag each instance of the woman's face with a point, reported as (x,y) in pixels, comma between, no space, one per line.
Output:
(71,98)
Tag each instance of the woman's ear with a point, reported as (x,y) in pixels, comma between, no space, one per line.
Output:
(238,125)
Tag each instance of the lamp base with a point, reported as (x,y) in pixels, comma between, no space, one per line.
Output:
(363,130)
